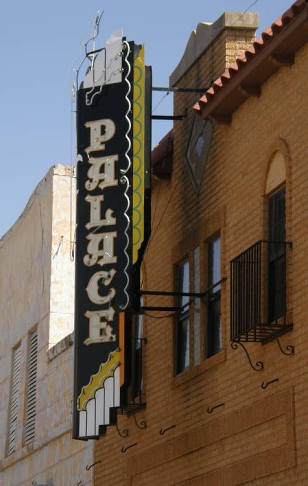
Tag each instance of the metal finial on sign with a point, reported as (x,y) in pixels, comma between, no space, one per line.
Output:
(95,31)
(92,54)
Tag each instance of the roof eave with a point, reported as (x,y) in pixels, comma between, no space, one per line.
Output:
(251,71)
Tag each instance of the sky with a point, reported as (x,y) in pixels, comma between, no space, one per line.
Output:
(41,43)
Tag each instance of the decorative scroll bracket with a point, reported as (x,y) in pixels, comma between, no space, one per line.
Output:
(124,433)
(142,424)
(290,349)
(259,364)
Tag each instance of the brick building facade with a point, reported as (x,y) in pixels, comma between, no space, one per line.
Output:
(210,418)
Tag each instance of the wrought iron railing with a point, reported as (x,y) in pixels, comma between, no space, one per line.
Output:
(258,292)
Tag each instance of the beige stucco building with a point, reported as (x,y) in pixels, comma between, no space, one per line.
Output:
(36,352)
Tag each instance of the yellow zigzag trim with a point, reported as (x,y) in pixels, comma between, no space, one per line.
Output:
(106,370)
(138,153)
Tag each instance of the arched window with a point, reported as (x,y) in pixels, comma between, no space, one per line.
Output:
(276,174)
(276,198)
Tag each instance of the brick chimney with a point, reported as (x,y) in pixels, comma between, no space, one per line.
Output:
(210,50)
(213,47)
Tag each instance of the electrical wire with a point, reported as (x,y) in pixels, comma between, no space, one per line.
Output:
(151,234)
(251,5)
(73,150)
(160,101)
(163,212)
(58,247)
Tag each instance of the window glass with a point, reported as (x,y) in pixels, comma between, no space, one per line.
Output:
(138,330)
(183,345)
(277,256)
(137,355)
(214,263)
(196,302)
(184,282)
(182,320)
(213,337)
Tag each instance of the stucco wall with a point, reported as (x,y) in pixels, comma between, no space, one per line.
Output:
(62,263)
(37,288)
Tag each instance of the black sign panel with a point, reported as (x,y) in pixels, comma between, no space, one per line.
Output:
(103,247)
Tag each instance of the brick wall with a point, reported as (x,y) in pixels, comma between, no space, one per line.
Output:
(259,436)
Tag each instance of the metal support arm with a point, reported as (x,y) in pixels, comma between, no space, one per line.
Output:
(194,295)
(179,90)
(169,117)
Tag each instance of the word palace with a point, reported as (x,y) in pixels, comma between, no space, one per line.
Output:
(101,240)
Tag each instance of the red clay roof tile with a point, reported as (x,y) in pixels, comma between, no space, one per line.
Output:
(267,36)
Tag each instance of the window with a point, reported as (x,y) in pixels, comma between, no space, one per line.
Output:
(14,400)
(31,385)
(137,357)
(277,256)
(213,325)
(182,335)
(259,281)
(196,305)
(198,324)
(192,342)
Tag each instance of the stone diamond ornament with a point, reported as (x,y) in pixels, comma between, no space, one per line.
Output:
(198,149)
